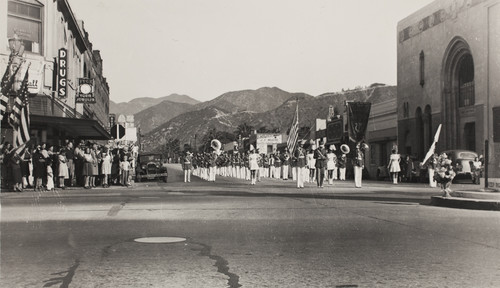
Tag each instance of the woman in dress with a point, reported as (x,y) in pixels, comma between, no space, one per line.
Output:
(253,163)
(331,164)
(50,175)
(15,166)
(311,163)
(63,168)
(106,166)
(393,166)
(87,167)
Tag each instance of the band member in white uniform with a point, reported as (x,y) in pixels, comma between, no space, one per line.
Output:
(186,166)
(311,163)
(359,164)
(286,164)
(277,165)
(300,157)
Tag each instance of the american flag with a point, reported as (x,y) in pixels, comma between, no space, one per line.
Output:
(20,116)
(294,131)
(5,87)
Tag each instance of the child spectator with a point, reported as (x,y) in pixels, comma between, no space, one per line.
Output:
(124,170)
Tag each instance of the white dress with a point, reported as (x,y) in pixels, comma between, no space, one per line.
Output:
(311,162)
(331,162)
(50,178)
(106,164)
(253,161)
(394,163)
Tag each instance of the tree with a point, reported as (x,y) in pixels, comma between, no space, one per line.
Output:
(222,136)
(244,130)
(263,129)
(172,148)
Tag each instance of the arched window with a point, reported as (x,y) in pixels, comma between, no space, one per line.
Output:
(422,68)
(466,81)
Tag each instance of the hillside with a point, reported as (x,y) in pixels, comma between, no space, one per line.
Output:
(154,116)
(185,126)
(138,104)
(260,100)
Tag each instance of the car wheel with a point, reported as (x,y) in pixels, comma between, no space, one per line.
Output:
(165,179)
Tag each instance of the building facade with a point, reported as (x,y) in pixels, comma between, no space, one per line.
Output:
(448,68)
(58,52)
(381,134)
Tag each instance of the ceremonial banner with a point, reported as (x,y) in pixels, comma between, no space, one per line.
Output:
(358,114)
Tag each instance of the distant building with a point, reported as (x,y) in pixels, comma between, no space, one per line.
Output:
(449,73)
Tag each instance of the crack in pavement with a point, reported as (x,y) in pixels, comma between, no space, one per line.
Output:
(66,277)
(221,264)
(116,208)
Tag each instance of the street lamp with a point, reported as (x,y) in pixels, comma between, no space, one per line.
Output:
(16,46)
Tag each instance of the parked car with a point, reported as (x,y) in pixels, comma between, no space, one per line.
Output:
(461,162)
(150,167)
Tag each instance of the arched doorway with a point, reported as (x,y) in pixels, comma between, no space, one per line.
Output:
(458,96)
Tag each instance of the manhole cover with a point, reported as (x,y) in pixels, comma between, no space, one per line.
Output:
(160,240)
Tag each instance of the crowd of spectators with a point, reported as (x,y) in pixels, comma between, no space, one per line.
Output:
(44,167)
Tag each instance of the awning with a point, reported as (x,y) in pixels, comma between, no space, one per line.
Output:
(77,128)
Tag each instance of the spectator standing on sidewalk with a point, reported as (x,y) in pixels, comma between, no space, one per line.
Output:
(394,167)
(63,172)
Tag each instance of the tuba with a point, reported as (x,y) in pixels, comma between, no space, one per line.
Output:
(345,149)
(216,145)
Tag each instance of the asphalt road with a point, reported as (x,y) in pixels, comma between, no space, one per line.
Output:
(238,235)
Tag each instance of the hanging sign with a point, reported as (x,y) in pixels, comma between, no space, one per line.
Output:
(62,73)
(85,91)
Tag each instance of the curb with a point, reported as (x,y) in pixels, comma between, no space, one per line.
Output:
(466,203)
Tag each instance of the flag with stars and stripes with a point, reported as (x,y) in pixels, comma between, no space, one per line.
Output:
(294,131)
(5,87)
(20,116)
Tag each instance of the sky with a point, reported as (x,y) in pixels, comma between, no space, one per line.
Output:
(205,48)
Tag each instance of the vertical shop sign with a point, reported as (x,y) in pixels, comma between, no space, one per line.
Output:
(62,73)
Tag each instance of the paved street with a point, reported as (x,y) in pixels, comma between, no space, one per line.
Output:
(238,235)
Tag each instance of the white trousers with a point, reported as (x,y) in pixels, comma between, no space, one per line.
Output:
(300,177)
(277,172)
(342,173)
(285,172)
(358,175)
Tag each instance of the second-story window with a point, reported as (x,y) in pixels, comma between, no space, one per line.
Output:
(25,20)
(422,68)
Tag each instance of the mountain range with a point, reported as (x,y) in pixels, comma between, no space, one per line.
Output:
(269,108)
(139,104)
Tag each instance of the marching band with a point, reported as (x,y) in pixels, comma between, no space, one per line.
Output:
(303,165)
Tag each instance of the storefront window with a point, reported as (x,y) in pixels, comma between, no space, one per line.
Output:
(26,21)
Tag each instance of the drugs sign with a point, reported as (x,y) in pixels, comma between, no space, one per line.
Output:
(62,73)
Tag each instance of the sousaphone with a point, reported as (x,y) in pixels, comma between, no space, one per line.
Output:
(345,149)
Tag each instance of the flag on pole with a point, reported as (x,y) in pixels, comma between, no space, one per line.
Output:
(5,87)
(21,119)
(432,149)
(294,131)
(19,103)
